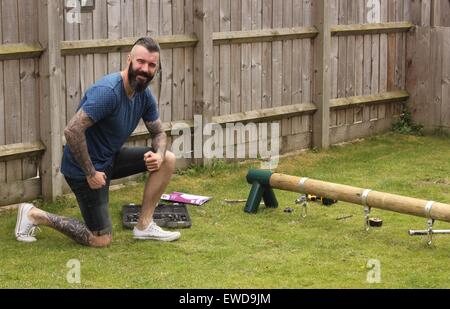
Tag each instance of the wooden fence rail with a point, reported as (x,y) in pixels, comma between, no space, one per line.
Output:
(19,151)
(259,36)
(20,51)
(102,46)
(363,29)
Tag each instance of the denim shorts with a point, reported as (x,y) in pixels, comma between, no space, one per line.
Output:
(94,203)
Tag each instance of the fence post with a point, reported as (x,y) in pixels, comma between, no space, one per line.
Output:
(203,70)
(50,27)
(322,75)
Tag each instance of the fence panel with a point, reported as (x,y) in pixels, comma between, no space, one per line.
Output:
(429,77)
(265,74)
(19,94)
(366,64)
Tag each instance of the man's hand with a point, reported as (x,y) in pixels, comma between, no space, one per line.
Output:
(97,181)
(153,161)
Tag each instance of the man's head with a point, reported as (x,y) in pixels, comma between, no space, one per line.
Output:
(143,63)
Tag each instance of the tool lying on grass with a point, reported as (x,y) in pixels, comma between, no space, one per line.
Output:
(229,201)
(238,201)
(325,201)
(375,222)
(344,217)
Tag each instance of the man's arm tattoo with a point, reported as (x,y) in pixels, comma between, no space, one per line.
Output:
(76,139)
(71,228)
(158,136)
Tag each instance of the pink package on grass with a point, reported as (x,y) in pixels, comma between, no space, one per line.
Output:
(185,198)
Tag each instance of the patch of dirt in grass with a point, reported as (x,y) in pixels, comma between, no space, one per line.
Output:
(305,160)
(445,181)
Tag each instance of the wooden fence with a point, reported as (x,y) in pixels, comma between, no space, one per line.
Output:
(425,13)
(328,71)
(429,77)
(428,64)
(19,101)
(366,64)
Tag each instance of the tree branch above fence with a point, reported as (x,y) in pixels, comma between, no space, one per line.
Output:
(266,35)
(361,29)
(102,46)
(20,51)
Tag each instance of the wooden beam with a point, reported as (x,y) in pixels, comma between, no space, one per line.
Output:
(322,76)
(361,29)
(19,151)
(387,97)
(123,45)
(361,196)
(20,51)
(283,112)
(20,191)
(267,114)
(265,35)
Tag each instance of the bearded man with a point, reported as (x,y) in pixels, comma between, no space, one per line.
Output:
(94,155)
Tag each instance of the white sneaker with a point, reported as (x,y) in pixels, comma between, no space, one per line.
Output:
(154,232)
(25,229)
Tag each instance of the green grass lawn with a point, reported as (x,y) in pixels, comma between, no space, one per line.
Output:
(227,248)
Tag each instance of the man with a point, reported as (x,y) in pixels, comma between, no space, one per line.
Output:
(94,155)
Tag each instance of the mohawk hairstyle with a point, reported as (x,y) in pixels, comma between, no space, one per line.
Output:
(150,44)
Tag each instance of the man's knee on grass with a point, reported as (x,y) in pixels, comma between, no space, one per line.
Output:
(101,241)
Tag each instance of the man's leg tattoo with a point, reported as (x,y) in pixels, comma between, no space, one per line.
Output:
(71,228)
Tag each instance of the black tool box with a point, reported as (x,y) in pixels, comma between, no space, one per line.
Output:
(170,215)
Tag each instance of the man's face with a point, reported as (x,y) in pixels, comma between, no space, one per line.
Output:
(142,67)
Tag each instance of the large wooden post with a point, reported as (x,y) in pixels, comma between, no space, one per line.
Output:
(322,75)
(366,197)
(360,196)
(50,34)
(203,70)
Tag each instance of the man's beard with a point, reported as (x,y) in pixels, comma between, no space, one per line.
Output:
(135,84)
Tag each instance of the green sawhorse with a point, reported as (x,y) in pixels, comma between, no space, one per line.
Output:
(261,190)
